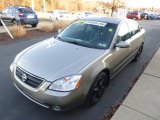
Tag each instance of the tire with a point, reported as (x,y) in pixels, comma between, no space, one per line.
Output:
(34,25)
(97,89)
(140,50)
(14,22)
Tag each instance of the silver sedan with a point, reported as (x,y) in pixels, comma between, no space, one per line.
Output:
(75,66)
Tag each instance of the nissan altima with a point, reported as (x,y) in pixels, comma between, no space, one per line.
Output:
(77,65)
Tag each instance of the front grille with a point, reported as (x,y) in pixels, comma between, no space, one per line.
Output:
(29,79)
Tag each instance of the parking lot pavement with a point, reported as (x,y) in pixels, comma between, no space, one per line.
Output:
(14,106)
(143,102)
(2,30)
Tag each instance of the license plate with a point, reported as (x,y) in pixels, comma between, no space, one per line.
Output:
(30,16)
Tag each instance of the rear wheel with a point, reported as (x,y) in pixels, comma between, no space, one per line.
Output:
(34,25)
(140,50)
(97,89)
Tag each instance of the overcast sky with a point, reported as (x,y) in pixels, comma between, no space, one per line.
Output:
(143,3)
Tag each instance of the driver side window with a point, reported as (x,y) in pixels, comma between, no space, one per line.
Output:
(123,33)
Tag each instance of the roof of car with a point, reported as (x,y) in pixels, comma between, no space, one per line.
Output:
(19,6)
(105,19)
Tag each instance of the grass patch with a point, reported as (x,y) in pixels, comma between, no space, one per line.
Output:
(53,27)
(17,31)
(45,27)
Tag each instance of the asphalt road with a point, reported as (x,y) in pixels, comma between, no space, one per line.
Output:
(14,106)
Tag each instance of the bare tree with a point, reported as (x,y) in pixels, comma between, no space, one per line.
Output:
(44,5)
(116,4)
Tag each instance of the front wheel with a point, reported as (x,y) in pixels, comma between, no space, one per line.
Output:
(14,22)
(97,89)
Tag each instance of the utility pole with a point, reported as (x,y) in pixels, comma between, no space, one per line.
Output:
(44,5)
(113,7)
(32,4)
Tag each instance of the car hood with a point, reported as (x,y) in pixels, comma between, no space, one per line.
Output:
(54,59)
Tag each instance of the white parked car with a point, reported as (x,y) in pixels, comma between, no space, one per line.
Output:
(61,15)
(84,14)
(45,16)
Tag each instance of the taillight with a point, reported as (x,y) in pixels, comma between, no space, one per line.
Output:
(20,14)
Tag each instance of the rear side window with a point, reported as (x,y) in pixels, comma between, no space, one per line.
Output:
(132,13)
(25,10)
(135,13)
(133,27)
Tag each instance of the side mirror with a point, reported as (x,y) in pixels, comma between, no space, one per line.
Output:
(60,30)
(123,44)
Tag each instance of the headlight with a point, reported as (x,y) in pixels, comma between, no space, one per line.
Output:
(67,83)
(12,66)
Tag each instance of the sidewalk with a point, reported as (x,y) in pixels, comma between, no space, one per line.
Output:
(143,101)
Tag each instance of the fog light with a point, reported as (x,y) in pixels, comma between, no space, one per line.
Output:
(56,108)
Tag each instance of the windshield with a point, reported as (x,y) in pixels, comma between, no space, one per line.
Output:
(25,10)
(89,34)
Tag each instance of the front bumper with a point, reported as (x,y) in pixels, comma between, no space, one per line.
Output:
(59,101)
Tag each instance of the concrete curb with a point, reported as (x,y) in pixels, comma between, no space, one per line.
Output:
(143,101)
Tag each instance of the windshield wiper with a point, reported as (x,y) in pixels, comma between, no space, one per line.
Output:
(73,42)
(77,43)
(58,37)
